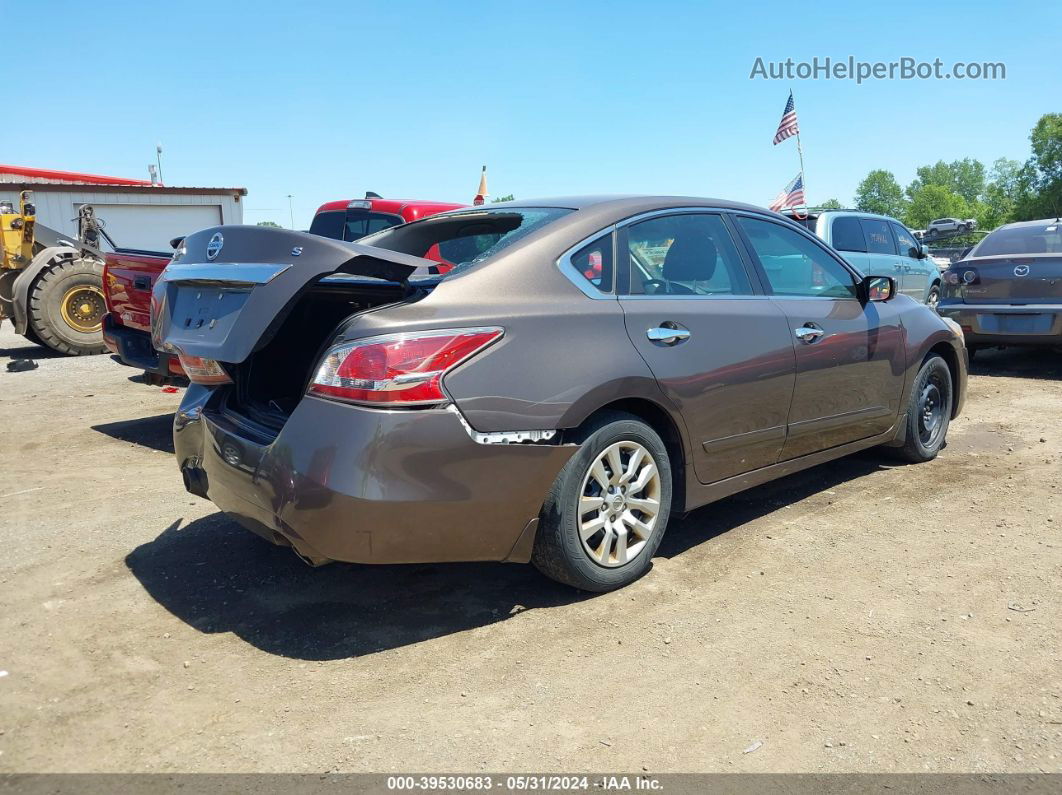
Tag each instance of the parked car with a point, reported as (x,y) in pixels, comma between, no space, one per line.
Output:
(129,277)
(941,225)
(350,404)
(1008,289)
(879,244)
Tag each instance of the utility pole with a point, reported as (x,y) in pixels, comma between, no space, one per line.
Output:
(158,159)
(291,211)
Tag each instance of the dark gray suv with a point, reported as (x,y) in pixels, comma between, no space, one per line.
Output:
(583,369)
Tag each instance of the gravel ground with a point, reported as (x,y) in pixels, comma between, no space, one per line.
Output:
(857,617)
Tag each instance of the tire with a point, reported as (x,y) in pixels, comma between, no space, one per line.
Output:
(54,318)
(598,564)
(933,298)
(31,335)
(928,412)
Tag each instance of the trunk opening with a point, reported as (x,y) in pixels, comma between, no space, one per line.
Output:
(269,384)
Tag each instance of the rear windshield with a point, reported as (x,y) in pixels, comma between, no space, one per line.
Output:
(459,240)
(1045,238)
(351,224)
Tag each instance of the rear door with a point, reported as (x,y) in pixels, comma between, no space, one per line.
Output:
(720,351)
(846,236)
(850,357)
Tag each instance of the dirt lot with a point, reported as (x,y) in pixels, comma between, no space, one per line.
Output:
(857,617)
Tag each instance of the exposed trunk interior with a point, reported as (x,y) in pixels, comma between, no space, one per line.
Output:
(271,382)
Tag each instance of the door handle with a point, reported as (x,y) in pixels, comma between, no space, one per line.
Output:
(668,336)
(808,333)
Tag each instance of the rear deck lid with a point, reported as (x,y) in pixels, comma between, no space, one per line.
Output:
(1018,279)
(229,288)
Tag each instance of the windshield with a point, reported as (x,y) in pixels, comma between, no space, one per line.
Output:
(459,240)
(1040,238)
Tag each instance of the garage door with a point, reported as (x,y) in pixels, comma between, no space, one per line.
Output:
(152,226)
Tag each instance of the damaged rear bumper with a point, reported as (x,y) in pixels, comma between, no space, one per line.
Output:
(362,485)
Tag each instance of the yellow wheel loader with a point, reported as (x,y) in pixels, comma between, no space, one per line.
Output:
(51,288)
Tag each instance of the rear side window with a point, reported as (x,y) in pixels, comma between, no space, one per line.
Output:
(848,234)
(594,263)
(359,223)
(795,265)
(328,224)
(878,237)
(1042,238)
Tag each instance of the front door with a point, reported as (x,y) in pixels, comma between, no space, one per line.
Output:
(918,273)
(720,352)
(850,357)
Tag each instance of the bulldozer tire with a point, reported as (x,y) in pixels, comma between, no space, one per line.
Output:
(66,307)
(31,335)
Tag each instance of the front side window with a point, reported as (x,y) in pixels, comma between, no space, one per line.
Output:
(685,254)
(795,265)
(904,240)
(879,241)
(848,234)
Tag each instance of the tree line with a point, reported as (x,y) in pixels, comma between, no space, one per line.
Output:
(1008,191)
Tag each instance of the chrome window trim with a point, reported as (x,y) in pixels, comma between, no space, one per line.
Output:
(235,273)
(572,274)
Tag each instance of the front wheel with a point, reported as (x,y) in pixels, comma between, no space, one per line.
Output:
(928,412)
(608,508)
(66,307)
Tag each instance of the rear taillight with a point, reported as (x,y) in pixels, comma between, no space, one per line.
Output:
(203,371)
(397,369)
(961,276)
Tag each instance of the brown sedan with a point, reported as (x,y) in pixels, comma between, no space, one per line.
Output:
(543,381)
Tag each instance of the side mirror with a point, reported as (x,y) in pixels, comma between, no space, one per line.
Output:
(877,288)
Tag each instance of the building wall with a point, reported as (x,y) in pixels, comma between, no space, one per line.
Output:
(165,215)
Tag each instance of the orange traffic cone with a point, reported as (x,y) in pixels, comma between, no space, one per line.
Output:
(481,196)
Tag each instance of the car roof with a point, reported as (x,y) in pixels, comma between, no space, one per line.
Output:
(813,213)
(393,206)
(1038,222)
(632,203)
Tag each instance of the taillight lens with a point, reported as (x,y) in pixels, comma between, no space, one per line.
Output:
(397,369)
(203,371)
(961,276)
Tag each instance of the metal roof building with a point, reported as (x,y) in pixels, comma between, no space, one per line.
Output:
(136,213)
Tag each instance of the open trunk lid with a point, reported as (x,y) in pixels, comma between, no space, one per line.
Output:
(229,288)
(1014,279)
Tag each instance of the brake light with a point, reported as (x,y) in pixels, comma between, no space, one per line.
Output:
(203,371)
(962,276)
(397,369)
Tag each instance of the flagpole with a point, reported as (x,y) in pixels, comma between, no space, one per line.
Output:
(800,153)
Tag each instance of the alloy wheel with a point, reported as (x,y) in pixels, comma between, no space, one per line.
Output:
(619,504)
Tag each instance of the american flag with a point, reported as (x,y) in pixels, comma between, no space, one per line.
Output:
(788,126)
(792,195)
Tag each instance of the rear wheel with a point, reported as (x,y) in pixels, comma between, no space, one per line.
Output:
(934,297)
(608,509)
(66,307)
(928,412)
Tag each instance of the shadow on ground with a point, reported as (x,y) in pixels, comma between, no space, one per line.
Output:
(29,350)
(218,577)
(1019,363)
(154,432)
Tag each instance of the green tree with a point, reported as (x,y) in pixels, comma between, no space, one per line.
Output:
(1042,176)
(1004,190)
(506,198)
(964,177)
(934,201)
(268,223)
(880,193)
(831,204)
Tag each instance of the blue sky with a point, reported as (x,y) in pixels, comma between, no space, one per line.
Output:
(326,100)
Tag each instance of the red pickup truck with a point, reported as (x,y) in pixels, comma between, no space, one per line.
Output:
(128,278)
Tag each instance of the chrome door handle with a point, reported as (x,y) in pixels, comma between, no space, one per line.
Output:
(668,336)
(808,334)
